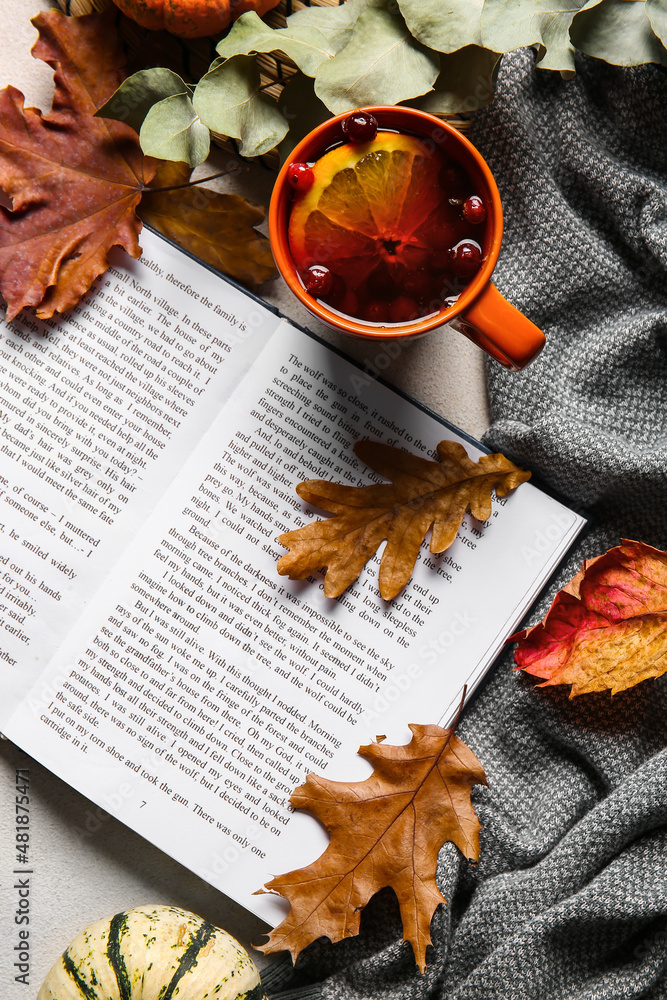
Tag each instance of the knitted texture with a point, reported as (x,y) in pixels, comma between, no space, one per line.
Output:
(569,899)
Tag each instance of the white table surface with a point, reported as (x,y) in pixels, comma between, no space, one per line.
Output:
(84,868)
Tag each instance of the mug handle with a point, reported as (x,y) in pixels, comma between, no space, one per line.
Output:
(502,331)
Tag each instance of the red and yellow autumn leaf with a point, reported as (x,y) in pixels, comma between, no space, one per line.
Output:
(73,180)
(607,629)
(385,831)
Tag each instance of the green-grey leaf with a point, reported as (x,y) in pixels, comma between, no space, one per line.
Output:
(444,29)
(335,23)
(657,15)
(510,24)
(466,82)
(618,31)
(302,109)
(228,100)
(173,131)
(381,64)
(137,95)
(305,45)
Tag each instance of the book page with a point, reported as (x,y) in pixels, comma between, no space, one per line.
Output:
(98,409)
(202,687)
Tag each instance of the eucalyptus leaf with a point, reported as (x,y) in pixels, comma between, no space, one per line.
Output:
(172,131)
(335,23)
(305,45)
(381,64)
(657,15)
(445,30)
(302,109)
(137,95)
(466,82)
(229,100)
(618,31)
(510,24)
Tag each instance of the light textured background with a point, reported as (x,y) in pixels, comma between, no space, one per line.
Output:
(84,868)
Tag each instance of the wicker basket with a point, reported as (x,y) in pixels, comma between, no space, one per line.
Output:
(191,57)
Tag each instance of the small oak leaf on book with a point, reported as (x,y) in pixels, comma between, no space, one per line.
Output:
(217,228)
(385,831)
(422,494)
(607,628)
(73,181)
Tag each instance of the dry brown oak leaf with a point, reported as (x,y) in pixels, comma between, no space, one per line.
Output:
(422,495)
(607,628)
(217,228)
(385,831)
(73,181)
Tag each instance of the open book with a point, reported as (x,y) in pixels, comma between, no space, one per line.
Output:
(150,655)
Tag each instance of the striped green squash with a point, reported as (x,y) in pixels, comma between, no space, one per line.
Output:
(153,953)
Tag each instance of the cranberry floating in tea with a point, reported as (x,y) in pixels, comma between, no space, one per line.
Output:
(474,210)
(384,227)
(300,176)
(319,281)
(360,127)
(465,258)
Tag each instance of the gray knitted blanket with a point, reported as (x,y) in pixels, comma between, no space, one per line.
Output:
(569,899)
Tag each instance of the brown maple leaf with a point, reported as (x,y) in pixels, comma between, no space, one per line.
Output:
(422,494)
(73,180)
(607,629)
(216,228)
(385,831)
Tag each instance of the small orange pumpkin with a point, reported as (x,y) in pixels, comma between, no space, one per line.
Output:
(190,18)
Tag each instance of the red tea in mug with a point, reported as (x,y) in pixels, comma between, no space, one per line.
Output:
(383,227)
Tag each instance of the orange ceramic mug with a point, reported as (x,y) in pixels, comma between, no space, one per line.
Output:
(480,312)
